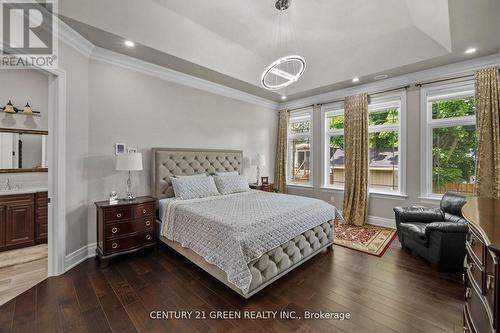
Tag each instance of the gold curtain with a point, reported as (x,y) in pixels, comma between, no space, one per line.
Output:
(355,208)
(280,164)
(488,132)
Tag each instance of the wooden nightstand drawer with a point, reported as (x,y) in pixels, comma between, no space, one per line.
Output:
(144,210)
(130,242)
(117,214)
(124,228)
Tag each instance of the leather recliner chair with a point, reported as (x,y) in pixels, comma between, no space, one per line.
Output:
(436,234)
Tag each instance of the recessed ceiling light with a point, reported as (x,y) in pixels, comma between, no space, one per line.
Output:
(129,43)
(356,79)
(381,77)
(470,50)
(283,97)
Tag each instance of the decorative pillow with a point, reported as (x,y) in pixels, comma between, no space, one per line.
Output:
(227,173)
(231,184)
(194,187)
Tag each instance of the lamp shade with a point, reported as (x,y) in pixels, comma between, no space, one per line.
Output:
(129,162)
(259,160)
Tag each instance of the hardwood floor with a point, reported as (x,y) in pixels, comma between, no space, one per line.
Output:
(395,293)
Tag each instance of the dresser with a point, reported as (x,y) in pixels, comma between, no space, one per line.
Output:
(23,220)
(125,227)
(482,308)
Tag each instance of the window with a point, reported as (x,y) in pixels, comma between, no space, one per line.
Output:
(299,164)
(448,139)
(385,158)
(383,143)
(334,144)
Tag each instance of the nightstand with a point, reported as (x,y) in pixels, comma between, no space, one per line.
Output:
(125,227)
(262,187)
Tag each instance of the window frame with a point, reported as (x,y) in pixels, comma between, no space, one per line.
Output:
(428,94)
(291,137)
(333,109)
(397,99)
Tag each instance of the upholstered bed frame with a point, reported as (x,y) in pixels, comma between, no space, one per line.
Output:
(272,265)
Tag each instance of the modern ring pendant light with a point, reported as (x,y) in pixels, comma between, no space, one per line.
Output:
(288,69)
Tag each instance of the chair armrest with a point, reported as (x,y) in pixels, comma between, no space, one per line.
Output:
(418,214)
(446,227)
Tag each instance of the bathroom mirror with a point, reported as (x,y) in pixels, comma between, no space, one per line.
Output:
(23,150)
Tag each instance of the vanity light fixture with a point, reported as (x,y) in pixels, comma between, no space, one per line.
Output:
(9,108)
(27,109)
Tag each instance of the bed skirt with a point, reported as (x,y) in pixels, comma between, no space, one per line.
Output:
(271,265)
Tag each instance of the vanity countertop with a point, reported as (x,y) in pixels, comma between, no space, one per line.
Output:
(27,190)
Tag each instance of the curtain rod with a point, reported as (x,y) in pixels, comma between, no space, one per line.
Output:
(420,84)
(341,100)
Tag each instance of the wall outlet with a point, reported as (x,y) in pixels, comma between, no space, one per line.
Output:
(332,199)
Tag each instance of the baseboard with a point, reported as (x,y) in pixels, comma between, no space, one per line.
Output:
(382,221)
(76,257)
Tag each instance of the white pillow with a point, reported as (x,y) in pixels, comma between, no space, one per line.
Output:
(194,187)
(231,184)
(227,173)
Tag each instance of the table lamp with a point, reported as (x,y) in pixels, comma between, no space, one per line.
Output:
(129,162)
(259,160)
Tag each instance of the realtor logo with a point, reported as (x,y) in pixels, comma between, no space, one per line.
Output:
(28,34)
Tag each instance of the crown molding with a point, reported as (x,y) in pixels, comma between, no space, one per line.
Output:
(121,60)
(446,71)
(73,39)
(76,41)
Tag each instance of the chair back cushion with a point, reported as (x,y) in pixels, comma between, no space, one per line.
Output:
(452,203)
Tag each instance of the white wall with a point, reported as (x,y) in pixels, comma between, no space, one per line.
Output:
(22,86)
(145,112)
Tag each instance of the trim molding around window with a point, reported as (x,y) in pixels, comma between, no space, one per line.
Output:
(459,91)
(332,130)
(300,151)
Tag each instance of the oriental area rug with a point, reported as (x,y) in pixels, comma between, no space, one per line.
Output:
(369,239)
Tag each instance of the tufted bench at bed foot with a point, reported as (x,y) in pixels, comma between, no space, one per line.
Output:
(292,253)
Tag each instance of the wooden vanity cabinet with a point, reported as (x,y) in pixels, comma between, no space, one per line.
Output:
(19,214)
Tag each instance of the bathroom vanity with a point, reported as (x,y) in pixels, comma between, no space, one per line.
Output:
(23,203)
(23,219)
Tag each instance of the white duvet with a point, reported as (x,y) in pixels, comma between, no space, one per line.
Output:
(231,230)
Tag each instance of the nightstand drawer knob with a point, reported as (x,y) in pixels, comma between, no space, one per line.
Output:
(114,230)
(119,215)
(148,237)
(114,245)
(467,293)
(148,223)
(144,211)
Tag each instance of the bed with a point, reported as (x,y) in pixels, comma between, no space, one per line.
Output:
(245,240)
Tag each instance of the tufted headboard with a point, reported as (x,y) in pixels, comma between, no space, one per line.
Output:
(169,162)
